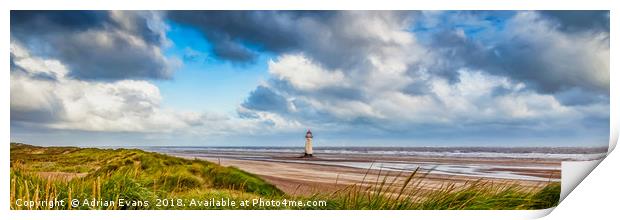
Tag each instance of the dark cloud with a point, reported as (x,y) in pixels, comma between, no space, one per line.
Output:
(234,51)
(52,113)
(329,92)
(472,71)
(234,33)
(96,45)
(579,20)
(540,59)
(264,99)
(577,96)
(455,52)
(26,23)
(417,88)
(119,59)
(325,36)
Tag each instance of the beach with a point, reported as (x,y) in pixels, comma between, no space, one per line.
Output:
(330,170)
(306,178)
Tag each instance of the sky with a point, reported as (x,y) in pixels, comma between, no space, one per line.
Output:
(355,78)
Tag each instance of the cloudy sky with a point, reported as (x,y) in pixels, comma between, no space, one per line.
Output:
(372,78)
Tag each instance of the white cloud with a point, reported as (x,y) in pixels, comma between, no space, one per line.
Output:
(60,102)
(393,80)
(477,98)
(98,45)
(471,100)
(303,73)
(570,59)
(125,105)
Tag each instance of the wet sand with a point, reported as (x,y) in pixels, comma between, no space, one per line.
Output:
(328,173)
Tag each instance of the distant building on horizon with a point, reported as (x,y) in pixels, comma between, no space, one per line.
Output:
(308,147)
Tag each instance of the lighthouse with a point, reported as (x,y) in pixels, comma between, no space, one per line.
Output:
(308,152)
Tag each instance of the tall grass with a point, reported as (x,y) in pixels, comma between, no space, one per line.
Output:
(131,175)
(135,175)
(413,194)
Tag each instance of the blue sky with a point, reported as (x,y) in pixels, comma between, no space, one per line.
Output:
(222,85)
(356,78)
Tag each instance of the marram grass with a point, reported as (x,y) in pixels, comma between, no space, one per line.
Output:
(66,173)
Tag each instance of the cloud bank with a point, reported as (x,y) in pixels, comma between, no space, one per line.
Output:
(408,76)
(97,45)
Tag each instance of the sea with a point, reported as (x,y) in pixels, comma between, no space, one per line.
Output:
(546,153)
(518,163)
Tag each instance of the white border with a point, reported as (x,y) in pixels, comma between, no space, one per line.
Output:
(604,175)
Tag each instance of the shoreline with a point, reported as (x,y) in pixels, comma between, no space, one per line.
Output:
(300,176)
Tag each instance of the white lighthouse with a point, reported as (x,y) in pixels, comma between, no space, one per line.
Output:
(308,152)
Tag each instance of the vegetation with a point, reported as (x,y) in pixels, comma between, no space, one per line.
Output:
(410,195)
(99,175)
(131,175)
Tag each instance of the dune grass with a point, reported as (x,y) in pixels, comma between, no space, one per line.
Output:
(66,173)
(410,195)
(132,175)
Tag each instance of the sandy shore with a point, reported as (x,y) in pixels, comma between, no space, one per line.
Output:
(298,176)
